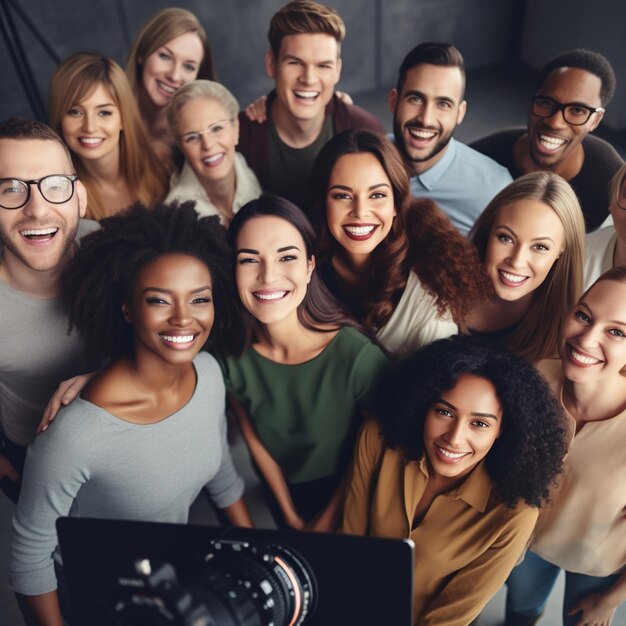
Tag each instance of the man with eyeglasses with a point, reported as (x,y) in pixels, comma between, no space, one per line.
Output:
(41,203)
(572,92)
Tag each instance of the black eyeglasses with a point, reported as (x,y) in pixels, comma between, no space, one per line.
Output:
(56,189)
(573,113)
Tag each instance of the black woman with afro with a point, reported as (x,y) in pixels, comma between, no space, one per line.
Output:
(461,457)
(148,432)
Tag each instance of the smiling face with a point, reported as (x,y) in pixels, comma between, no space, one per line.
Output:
(593,339)
(426,113)
(525,241)
(170,67)
(38,235)
(171,308)
(92,127)
(207,138)
(553,143)
(359,203)
(272,270)
(461,426)
(306,72)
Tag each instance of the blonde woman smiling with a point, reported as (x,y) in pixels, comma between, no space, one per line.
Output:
(202,116)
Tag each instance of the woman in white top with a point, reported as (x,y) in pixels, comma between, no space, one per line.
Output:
(583,530)
(202,116)
(397,262)
(606,246)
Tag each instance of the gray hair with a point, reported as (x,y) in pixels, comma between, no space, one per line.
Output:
(200,89)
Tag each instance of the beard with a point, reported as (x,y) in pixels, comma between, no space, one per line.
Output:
(8,245)
(443,141)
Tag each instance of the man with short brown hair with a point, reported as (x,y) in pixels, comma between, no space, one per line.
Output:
(303,112)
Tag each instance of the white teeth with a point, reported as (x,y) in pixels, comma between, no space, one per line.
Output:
(272,295)
(421,134)
(91,140)
(360,230)
(177,339)
(451,455)
(214,158)
(166,88)
(513,278)
(38,231)
(551,143)
(307,94)
(585,360)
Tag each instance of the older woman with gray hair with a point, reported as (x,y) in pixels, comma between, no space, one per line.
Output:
(202,115)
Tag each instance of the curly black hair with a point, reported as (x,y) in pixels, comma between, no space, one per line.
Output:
(527,457)
(101,274)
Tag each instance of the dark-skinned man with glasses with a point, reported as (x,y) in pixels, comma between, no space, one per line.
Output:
(41,205)
(571,94)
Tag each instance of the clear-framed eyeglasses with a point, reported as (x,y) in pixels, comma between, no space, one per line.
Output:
(574,113)
(215,131)
(56,189)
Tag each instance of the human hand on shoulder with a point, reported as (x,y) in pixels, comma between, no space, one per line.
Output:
(65,394)
(345,97)
(257,110)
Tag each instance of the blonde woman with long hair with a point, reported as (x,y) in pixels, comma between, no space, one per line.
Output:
(91,106)
(530,239)
(170,50)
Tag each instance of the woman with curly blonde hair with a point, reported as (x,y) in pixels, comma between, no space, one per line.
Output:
(397,262)
(530,239)
(91,106)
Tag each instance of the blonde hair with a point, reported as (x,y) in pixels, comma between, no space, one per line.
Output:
(536,336)
(161,28)
(72,82)
(200,89)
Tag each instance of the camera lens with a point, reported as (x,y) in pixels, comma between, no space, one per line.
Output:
(239,584)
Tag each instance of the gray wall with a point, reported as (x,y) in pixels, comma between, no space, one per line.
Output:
(379,35)
(557,25)
(380,32)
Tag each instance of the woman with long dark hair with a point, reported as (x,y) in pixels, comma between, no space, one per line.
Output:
(305,372)
(397,262)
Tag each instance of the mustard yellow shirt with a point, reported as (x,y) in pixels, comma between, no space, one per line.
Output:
(466,544)
(584,528)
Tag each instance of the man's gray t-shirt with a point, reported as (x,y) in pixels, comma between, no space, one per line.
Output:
(36,354)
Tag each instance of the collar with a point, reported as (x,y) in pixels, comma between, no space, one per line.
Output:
(475,490)
(431,177)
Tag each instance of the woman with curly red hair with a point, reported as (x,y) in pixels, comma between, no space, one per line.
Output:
(399,264)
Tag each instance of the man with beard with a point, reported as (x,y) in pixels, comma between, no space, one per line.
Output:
(571,93)
(427,106)
(41,203)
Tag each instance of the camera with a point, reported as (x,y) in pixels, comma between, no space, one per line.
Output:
(240,584)
(121,573)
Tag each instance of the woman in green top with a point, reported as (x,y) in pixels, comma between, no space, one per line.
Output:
(304,374)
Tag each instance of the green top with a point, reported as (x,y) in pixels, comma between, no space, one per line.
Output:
(307,415)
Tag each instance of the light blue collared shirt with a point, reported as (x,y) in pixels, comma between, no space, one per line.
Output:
(462,183)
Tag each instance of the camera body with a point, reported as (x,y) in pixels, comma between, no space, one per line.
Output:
(121,573)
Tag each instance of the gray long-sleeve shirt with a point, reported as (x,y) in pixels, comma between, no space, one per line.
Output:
(90,463)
